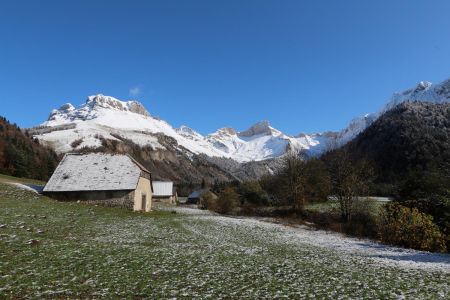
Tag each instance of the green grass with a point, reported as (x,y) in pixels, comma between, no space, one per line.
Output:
(328,206)
(20,180)
(87,251)
(333,206)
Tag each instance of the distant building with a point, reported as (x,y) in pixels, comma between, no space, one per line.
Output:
(164,191)
(105,179)
(197,195)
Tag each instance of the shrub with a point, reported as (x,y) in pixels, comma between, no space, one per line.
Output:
(76,143)
(407,227)
(227,201)
(208,201)
(438,206)
(362,224)
(252,193)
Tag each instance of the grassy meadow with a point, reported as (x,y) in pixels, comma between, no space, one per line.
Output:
(50,249)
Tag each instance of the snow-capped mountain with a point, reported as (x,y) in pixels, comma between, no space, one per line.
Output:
(424,92)
(105,117)
(109,118)
(261,141)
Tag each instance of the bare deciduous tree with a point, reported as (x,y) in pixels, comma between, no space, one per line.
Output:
(350,180)
(293,180)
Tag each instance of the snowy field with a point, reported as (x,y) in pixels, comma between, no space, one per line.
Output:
(101,252)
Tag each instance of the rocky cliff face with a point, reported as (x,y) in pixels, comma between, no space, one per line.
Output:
(260,128)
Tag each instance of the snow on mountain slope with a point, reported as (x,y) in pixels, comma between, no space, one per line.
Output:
(106,116)
(261,141)
(112,118)
(424,92)
(355,126)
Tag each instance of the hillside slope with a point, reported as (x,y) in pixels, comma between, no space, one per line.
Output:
(413,137)
(23,156)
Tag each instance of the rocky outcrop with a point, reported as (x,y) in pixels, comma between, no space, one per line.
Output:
(260,128)
(137,108)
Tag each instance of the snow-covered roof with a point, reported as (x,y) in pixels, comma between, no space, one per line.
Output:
(162,188)
(94,172)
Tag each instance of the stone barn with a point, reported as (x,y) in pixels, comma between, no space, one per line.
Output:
(104,179)
(164,191)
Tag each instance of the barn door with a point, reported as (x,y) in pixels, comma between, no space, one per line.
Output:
(144,202)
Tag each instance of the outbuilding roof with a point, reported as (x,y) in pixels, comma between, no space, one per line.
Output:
(95,172)
(199,193)
(162,188)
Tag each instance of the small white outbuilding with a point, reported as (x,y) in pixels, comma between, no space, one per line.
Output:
(164,191)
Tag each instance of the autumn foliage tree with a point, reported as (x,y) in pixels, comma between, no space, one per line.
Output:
(408,227)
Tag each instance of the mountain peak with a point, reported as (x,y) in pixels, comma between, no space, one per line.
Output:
(184,128)
(108,102)
(64,109)
(68,107)
(227,130)
(423,85)
(187,131)
(260,128)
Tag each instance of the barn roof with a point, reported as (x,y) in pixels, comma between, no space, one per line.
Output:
(162,188)
(95,172)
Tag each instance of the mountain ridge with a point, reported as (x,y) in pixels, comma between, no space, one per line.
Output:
(108,117)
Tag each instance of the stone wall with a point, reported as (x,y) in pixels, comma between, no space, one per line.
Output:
(122,199)
(168,199)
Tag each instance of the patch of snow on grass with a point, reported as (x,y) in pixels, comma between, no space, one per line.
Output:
(301,235)
(24,187)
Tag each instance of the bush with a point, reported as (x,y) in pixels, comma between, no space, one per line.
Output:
(362,224)
(407,227)
(208,201)
(227,201)
(437,206)
(252,193)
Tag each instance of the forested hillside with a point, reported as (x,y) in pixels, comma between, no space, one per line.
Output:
(408,150)
(22,156)
(409,142)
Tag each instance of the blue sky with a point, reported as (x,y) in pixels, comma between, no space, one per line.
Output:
(306,66)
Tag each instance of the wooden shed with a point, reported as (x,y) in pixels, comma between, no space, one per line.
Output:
(164,191)
(105,179)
